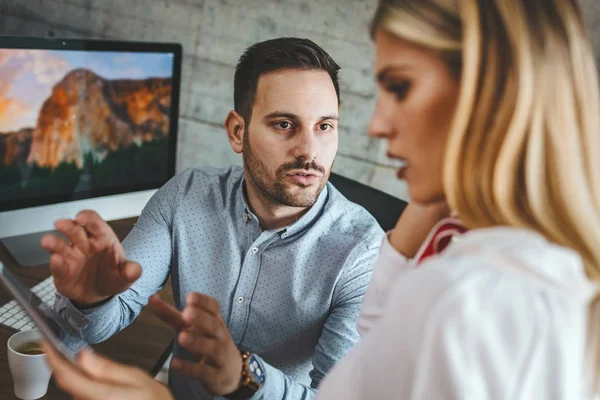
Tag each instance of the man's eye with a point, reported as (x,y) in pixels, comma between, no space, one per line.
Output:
(325,127)
(283,125)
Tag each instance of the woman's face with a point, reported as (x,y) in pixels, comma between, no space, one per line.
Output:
(414,111)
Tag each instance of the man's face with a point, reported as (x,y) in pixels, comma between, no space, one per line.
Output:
(292,138)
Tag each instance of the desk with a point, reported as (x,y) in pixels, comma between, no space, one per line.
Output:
(140,344)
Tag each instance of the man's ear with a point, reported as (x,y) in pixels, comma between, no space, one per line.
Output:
(235,127)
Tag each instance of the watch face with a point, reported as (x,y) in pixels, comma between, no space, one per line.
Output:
(256,371)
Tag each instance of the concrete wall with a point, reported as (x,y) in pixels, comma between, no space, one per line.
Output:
(213,34)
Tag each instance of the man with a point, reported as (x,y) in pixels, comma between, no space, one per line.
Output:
(269,262)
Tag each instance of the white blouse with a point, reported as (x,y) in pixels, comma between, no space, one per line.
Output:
(500,314)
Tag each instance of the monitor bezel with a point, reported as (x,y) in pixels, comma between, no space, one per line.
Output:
(35,43)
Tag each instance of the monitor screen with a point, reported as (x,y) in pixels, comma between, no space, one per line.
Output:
(82,119)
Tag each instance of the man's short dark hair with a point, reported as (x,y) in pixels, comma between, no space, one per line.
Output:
(273,55)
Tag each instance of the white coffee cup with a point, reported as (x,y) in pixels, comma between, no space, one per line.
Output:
(30,373)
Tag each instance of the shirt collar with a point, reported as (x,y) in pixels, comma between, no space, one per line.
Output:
(307,220)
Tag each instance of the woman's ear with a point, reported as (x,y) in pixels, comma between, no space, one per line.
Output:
(235,127)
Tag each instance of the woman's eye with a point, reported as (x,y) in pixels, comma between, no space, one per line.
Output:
(400,90)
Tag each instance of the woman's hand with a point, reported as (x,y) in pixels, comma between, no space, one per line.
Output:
(98,378)
(414,225)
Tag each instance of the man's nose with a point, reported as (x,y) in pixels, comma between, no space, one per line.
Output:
(306,146)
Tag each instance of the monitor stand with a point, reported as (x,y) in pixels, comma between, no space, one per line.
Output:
(27,250)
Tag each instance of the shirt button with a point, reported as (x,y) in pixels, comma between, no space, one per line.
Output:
(240,299)
(255,250)
(284,235)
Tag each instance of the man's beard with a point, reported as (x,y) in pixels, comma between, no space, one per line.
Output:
(275,189)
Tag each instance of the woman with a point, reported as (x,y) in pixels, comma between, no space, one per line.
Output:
(493,106)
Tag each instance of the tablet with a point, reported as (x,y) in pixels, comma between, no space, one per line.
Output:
(52,328)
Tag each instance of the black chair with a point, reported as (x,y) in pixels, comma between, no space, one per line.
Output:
(385,208)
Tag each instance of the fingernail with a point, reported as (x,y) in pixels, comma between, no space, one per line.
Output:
(186,339)
(191,298)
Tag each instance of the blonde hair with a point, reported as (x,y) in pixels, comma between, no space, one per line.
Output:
(522,148)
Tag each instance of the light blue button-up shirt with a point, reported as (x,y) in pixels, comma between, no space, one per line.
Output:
(291,295)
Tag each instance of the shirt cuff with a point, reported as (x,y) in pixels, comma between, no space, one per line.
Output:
(278,385)
(273,386)
(390,256)
(76,318)
(390,265)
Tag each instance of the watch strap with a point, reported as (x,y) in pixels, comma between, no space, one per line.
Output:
(248,384)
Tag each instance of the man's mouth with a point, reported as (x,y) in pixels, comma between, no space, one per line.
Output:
(304,178)
(302,173)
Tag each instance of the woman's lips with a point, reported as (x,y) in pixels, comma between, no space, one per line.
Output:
(401,163)
(401,174)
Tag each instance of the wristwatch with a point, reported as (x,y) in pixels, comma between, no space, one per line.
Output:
(252,378)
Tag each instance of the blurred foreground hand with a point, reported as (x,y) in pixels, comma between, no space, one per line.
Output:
(98,378)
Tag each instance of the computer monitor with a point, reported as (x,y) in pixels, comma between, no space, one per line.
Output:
(84,124)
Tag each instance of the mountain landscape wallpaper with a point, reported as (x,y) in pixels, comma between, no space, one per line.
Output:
(74,121)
